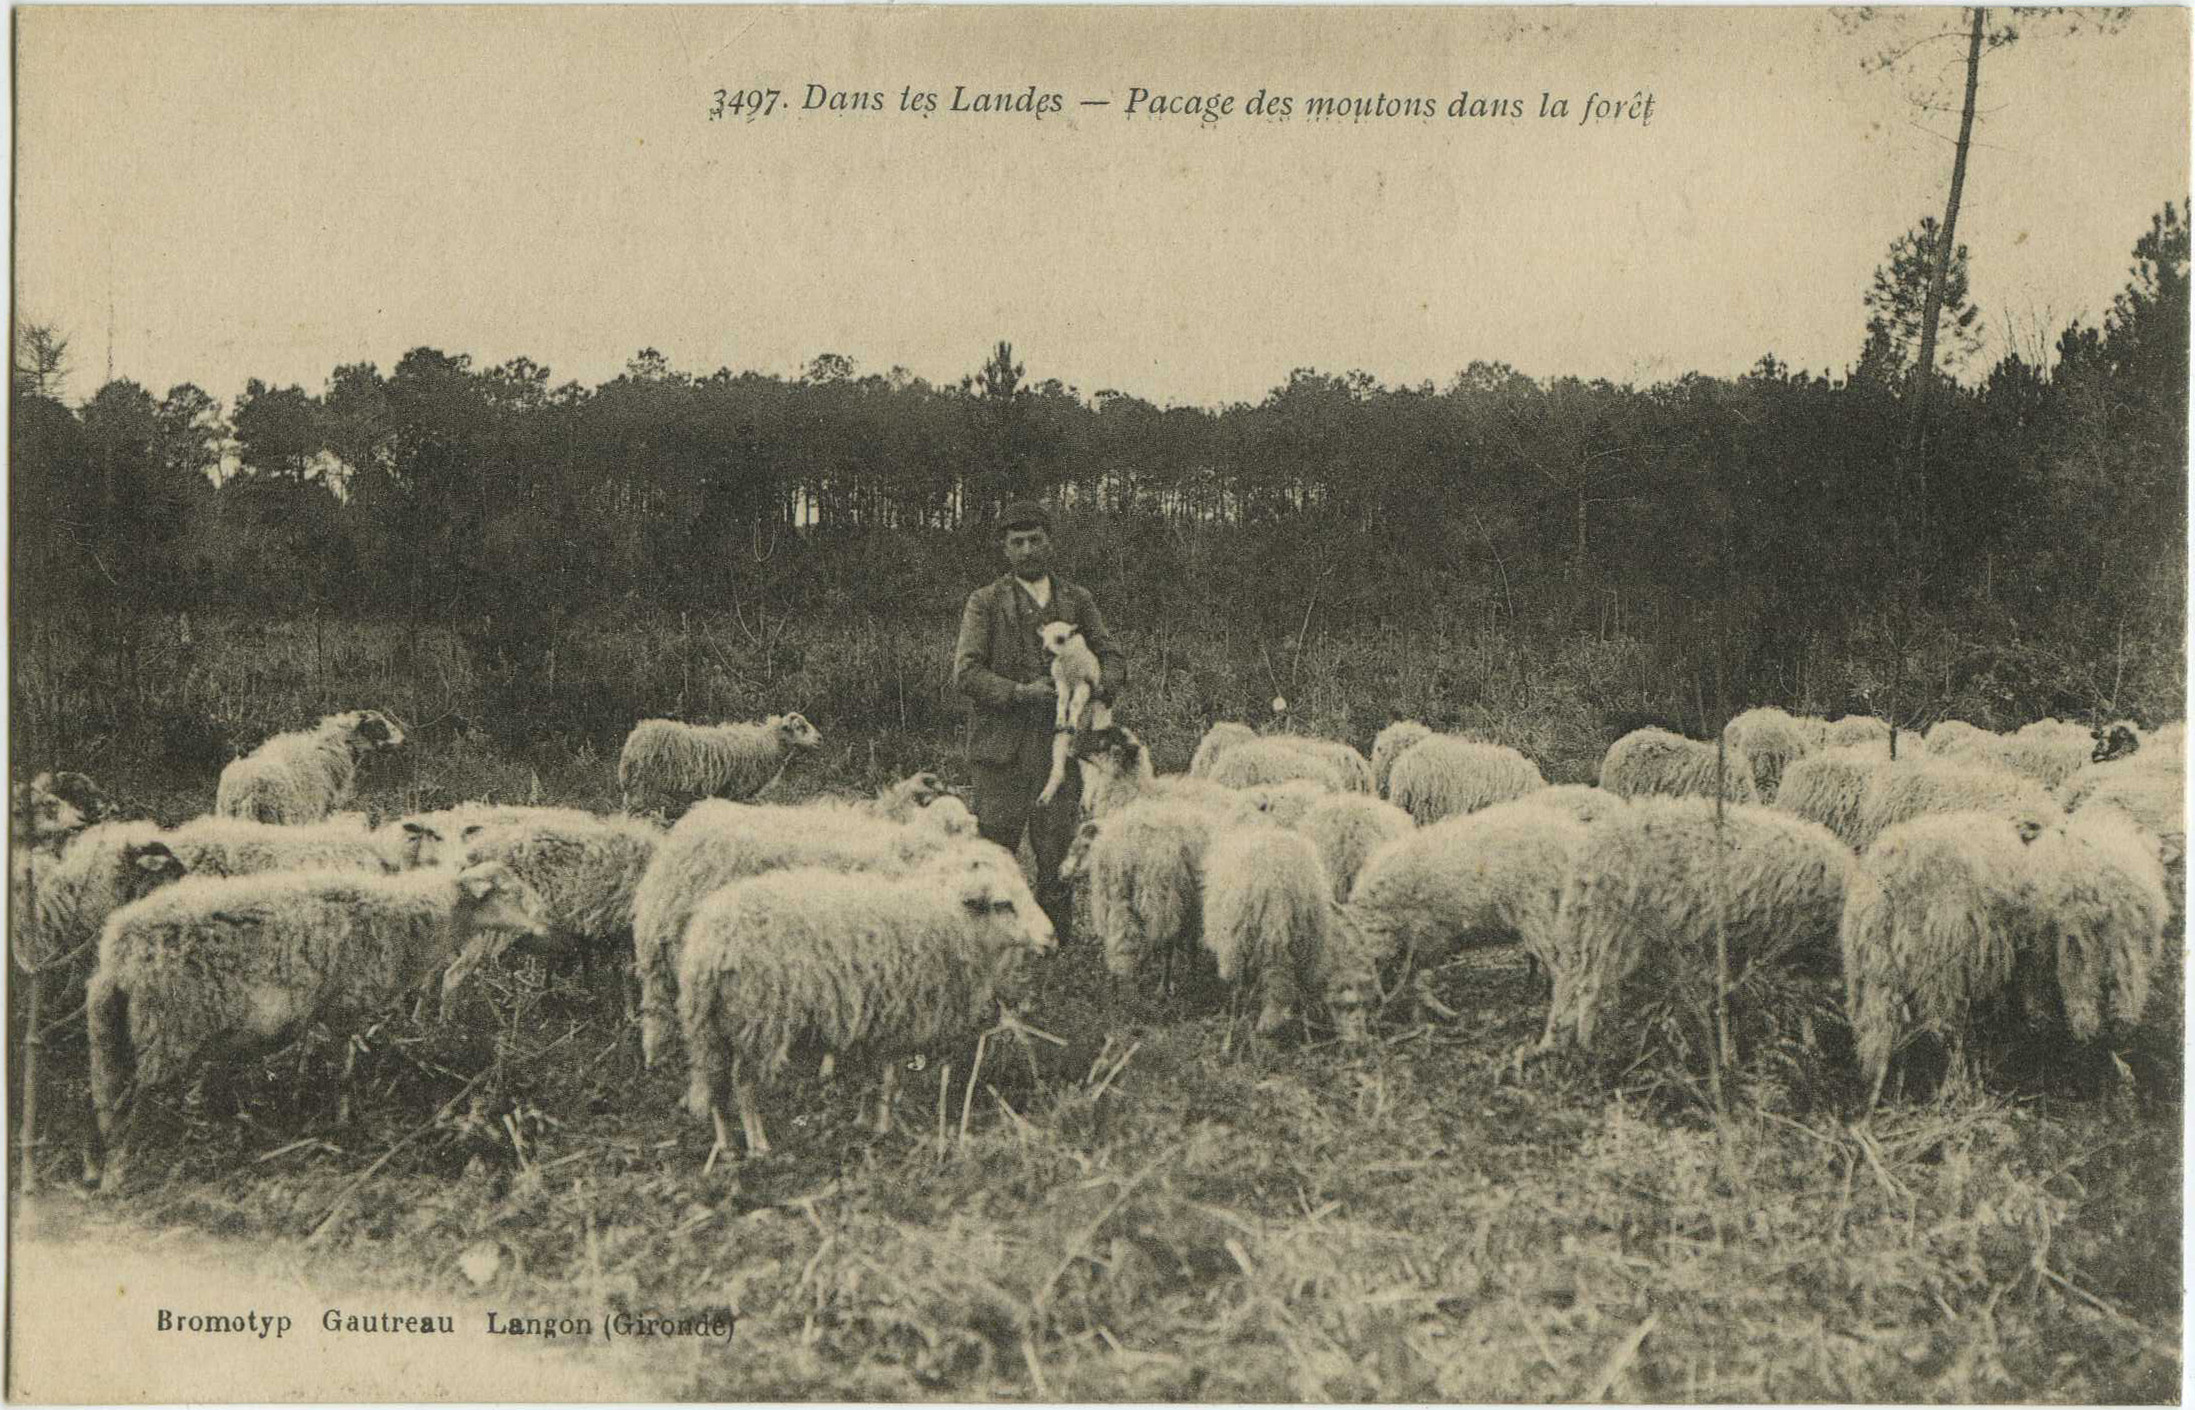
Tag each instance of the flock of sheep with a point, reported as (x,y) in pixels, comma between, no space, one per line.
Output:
(2039,871)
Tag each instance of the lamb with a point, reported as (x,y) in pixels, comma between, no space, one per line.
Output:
(1641,900)
(1273,760)
(1218,740)
(1346,829)
(1267,918)
(584,870)
(1829,787)
(222,968)
(1075,673)
(1445,776)
(1771,741)
(1494,877)
(718,842)
(1654,761)
(1389,745)
(851,963)
(303,776)
(1903,791)
(1935,925)
(666,762)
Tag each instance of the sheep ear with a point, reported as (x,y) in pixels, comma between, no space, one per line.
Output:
(420,829)
(472,830)
(161,860)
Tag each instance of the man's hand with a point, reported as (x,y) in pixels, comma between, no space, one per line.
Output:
(1035,692)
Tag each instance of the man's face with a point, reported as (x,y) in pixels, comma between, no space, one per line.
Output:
(1029,553)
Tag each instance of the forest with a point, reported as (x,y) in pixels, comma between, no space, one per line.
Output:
(1792,536)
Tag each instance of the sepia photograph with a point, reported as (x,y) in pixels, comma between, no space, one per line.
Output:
(1097,703)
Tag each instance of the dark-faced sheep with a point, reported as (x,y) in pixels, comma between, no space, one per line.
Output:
(305,775)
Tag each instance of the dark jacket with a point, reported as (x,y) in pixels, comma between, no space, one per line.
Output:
(999,649)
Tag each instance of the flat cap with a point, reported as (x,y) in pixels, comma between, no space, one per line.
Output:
(1025,514)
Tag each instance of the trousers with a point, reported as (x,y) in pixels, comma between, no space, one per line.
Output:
(1006,806)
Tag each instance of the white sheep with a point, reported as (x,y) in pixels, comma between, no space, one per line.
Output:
(70,897)
(219,969)
(303,776)
(667,762)
(1651,762)
(68,894)
(1903,791)
(1274,760)
(2047,751)
(1267,918)
(1935,921)
(1829,788)
(1216,741)
(1388,745)
(1346,829)
(1353,769)
(1286,804)
(586,871)
(2103,905)
(1642,900)
(718,842)
(1860,732)
(1144,866)
(1493,877)
(1948,737)
(1581,801)
(1771,740)
(889,965)
(1447,775)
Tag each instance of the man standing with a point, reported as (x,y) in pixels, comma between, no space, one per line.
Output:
(1001,666)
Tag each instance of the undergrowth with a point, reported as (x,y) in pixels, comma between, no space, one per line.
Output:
(1139,1201)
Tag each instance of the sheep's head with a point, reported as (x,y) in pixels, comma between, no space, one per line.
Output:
(365,730)
(920,790)
(423,846)
(37,816)
(148,866)
(2116,742)
(1057,635)
(1004,905)
(494,907)
(1077,859)
(947,814)
(794,732)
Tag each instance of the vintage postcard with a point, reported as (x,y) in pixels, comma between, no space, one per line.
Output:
(1059,703)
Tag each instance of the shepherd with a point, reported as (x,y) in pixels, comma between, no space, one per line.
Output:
(1001,665)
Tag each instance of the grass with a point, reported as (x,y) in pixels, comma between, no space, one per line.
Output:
(1156,1206)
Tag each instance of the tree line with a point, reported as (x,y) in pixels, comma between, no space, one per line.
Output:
(1776,506)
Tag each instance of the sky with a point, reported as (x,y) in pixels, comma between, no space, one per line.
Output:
(273,192)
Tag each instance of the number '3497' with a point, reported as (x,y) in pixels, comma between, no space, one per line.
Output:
(748,103)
